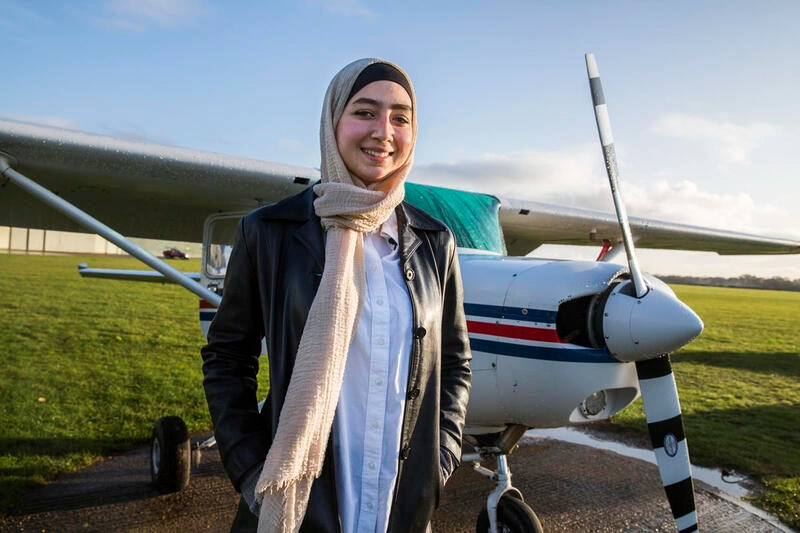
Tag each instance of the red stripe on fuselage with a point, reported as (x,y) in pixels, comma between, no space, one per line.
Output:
(513,332)
(205,305)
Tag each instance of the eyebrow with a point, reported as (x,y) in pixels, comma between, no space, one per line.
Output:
(370,101)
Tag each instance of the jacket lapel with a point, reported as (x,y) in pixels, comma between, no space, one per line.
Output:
(300,209)
(408,239)
(311,237)
(411,222)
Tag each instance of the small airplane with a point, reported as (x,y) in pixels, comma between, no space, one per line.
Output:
(554,342)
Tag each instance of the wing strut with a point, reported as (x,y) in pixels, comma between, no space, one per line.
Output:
(95,226)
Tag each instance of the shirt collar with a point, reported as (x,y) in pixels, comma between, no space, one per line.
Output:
(389,231)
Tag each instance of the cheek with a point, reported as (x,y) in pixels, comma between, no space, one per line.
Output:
(349,135)
(341,136)
(404,141)
(345,135)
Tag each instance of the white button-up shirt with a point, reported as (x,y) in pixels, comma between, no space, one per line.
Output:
(369,415)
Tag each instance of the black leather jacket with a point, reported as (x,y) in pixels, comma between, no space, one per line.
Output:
(272,277)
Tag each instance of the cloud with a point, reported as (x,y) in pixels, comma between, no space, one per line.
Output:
(348,8)
(135,134)
(41,120)
(731,142)
(291,144)
(16,20)
(684,202)
(570,176)
(137,15)
(577,178)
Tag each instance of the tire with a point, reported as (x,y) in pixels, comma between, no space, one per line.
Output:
(170,455)
(513,516)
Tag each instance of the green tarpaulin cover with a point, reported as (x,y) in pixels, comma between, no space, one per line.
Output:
(472,217)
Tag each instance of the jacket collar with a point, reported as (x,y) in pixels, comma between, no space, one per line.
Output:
(300,208)
(411,222)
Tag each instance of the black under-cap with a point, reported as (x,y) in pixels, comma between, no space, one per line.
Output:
(379,72)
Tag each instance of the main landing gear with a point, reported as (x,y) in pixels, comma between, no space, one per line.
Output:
(172,454)
(505,511)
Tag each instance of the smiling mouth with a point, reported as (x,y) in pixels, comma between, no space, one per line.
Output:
(380,154)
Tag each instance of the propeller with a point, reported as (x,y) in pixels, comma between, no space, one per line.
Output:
(644,323)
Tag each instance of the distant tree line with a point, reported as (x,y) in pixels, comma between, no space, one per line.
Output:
(745,281)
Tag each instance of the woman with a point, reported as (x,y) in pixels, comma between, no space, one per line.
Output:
(359,298)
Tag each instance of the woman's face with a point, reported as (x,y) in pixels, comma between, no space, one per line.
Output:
(375,134)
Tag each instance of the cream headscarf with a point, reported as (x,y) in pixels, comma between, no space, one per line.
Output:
(348,209)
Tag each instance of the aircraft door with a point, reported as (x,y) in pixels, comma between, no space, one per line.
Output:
(219,233)
(486,280)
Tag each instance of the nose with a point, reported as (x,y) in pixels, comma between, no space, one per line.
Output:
(383,130)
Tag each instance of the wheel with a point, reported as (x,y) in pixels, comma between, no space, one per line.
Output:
(513,516)
(170,455)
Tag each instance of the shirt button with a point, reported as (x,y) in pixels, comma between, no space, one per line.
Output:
(379,302)
(380,341)
(378,382)
(371,465)
(375,425)
(419,332)
(369,505)
(413,393)
(373,267)
(409,274)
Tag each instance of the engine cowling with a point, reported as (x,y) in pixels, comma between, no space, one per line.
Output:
(550,339)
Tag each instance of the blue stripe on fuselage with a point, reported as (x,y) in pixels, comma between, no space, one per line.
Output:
(567,355)
(511,313)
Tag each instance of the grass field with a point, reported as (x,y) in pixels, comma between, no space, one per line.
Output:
(738,384)
(90,364)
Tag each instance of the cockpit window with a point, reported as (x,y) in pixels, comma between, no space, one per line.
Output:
(219,237)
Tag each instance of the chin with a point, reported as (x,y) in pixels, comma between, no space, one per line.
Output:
(372,179)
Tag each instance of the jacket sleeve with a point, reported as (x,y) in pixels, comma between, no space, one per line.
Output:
(456,376)
(230,365)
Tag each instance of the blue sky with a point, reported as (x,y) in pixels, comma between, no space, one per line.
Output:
(702,95)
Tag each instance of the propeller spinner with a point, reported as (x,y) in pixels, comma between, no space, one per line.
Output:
(642,324)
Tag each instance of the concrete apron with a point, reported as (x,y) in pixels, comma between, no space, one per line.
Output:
(572,488)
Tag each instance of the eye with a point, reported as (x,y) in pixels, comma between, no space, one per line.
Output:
(365,113)
(402,119)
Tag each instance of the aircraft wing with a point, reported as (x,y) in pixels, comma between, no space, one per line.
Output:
(139,189)
(527,225)
(156,191)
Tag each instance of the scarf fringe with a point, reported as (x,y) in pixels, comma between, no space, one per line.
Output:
(276,486)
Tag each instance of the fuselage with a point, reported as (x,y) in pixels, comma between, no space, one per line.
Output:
(525,368)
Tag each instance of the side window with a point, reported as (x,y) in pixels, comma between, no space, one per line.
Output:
(218,242)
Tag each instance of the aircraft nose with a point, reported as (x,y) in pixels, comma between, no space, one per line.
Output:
(641,328)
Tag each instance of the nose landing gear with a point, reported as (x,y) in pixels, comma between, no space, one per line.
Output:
(505,511)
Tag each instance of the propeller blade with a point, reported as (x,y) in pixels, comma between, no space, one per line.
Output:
(633,334)
(664,422)
(609,154)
